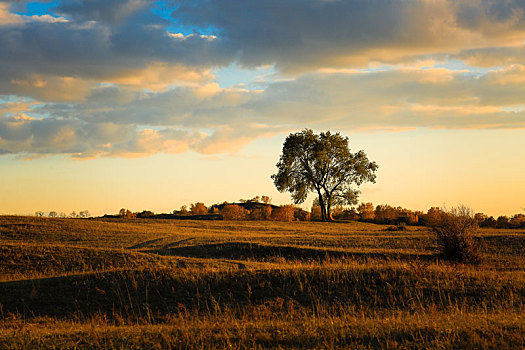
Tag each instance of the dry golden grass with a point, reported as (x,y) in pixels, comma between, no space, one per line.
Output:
(70,283)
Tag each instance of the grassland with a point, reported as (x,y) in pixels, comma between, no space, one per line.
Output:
(93,283)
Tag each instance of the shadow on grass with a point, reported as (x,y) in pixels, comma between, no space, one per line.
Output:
(141,294)
(262,252)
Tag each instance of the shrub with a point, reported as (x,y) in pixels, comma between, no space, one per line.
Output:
(455,231)
(234,212)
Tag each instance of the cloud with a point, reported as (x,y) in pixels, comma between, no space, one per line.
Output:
(116,78)
(132,48)
(116,121)
(102,10)
(493,56)
(299,35)
(125,42)
(25,135)
(103,41)
(8,18)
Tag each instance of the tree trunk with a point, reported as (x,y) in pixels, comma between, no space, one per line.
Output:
(323,207)
(328,210)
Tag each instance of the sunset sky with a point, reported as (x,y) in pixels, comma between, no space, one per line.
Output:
(154,104)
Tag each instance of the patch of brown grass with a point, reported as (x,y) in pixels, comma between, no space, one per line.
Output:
(143,283)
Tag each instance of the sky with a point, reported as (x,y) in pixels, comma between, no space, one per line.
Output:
(150,105)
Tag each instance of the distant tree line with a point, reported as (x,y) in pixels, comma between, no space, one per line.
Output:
(389,215)
(83,214)
(260,208)
(257,208)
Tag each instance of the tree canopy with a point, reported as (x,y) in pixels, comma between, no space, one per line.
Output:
(322,163)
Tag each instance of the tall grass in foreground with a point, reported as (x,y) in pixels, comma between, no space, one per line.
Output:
(265,328)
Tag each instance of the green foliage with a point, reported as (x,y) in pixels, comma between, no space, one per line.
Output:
(322,163)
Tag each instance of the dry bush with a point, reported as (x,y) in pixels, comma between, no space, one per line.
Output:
(234,212)
(284,213)
(455,231)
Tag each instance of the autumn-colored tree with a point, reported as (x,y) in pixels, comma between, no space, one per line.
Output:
(480,217)
(198,209)
(517,221)
(301,215)
(315,213)
(146,214)
(433,215)
(350,214)
(408,217)
(283,213)
(337,212)
(234,212)
(488,222)
(266,199)
(386,214)
(261,213)
(52,214)
(184,209)
(126,214)
(502,222)
(366,211)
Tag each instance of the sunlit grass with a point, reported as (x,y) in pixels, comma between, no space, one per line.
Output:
(162,283)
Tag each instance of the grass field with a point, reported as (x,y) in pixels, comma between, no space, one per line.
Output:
(142,283)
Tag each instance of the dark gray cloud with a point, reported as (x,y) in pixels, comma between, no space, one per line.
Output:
(475,14)
(103,39)
(102,10)
(303,34)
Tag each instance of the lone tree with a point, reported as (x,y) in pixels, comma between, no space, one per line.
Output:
(322,163)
